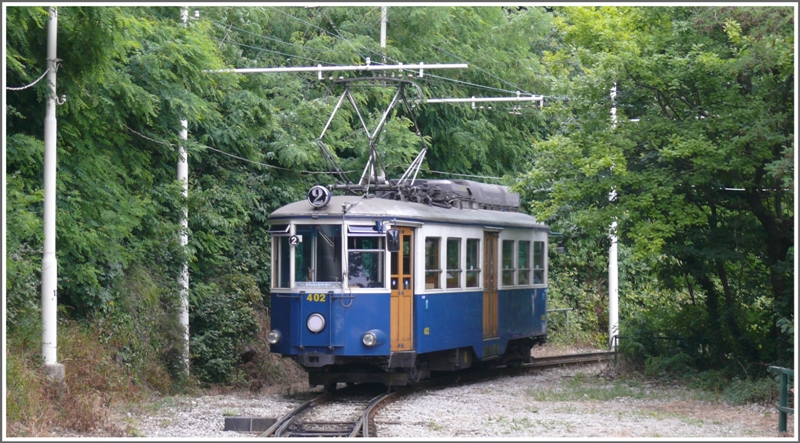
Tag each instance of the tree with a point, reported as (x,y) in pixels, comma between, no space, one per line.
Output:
(704,178)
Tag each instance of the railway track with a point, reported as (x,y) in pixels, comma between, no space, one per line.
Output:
(351,409)
(349,415)
(560,360)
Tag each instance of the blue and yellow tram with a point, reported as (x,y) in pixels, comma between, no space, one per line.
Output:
(388,289)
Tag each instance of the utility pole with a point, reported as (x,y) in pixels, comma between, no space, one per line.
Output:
(613,271)
(183,177)
(52,368)
(383,31)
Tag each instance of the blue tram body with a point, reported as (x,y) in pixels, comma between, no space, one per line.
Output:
(381,290)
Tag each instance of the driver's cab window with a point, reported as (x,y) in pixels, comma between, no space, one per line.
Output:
(318,257)
(365,262)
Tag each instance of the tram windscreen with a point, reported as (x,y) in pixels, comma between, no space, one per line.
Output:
(365,257)
(318,258)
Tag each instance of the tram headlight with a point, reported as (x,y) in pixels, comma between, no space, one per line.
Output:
(315,322)
(274,336)
(369,339)
(373,337)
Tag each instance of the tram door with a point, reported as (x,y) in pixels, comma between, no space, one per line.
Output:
(402,293)
(490,284)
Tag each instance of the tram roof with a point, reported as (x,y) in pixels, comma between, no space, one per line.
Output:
(385,209)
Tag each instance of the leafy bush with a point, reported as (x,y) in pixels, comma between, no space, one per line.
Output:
(24,251)
(762,390)
(141,329)
(223,317)
(575,280)
(660,366)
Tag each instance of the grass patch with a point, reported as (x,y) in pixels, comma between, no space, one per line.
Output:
(93,386)
(435,426)
(583,387)
(519,424)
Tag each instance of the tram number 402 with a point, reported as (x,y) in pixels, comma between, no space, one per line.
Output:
(316,297)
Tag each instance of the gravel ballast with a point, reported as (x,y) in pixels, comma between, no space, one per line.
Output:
(575,402)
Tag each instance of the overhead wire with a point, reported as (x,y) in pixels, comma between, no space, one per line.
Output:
(465,175)
(165,143)
(317,27)
(328,50)
(452,80)
(352,45)
(333,25)
(462,60)
(280,53)
(339,35)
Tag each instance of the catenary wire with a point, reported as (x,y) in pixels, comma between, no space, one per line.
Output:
(227,153)
(271,38)
(317,27)
(477,67)
(338,35)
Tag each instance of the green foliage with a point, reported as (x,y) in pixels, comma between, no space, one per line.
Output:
(741,392)
(700,178)
(23,396)
(94,386)
(575,278)
(23,264)
(223,318)
(662,365)
(712,89)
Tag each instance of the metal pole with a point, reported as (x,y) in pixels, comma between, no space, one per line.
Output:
(183,177)
(52,368)
(613,272)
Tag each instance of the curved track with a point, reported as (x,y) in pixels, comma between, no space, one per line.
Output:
(344,413)
(348,412)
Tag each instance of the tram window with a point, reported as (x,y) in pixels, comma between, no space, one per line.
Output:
(318,258)
(453,262)
(524,263)
(508,262)
(280,266)
(473,263)
(538,262)
(365,258)
(433,267)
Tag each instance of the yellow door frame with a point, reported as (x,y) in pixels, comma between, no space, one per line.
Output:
(490,314)
(402,297)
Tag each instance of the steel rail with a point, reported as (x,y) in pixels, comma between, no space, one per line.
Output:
(374,404)
(362,425)
(284,422)
(555,360)
(285,426)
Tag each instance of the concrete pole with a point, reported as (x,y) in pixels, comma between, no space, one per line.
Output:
(52,368)
(183,177)
(613,285)
(383,27)
(613,271)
